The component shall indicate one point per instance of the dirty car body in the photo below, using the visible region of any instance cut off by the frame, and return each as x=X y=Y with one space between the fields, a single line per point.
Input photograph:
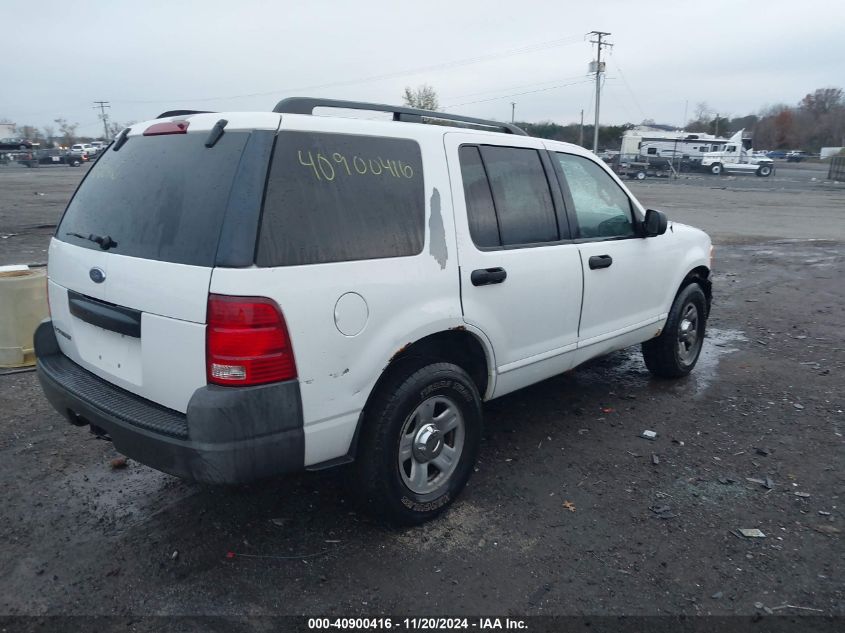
x=239 y=295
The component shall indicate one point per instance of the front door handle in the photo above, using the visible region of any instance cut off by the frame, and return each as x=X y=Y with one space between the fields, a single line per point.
x=600 y=261
x=487 y=276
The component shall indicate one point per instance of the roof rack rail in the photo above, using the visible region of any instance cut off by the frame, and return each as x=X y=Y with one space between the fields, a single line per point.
x=170 y=113
x=306 y=105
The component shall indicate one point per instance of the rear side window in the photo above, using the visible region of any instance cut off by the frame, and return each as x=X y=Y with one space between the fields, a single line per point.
x=341 y=197
x=159 y=197
x=483 y=227
x=521 y=195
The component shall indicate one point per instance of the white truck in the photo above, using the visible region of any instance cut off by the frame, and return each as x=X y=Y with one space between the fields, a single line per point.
x=736 y=158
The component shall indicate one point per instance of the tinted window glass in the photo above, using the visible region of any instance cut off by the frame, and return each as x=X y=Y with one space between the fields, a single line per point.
x=601 y=207
x=159 y=197
x=480 y=210
x=521 y=194
x=339 y=197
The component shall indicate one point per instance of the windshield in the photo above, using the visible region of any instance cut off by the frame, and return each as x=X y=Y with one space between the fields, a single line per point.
x=158 y=197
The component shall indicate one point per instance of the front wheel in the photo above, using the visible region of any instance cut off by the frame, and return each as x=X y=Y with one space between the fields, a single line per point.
x=716 y=169
x=419 y=441
x=764 y=170
x=640 y=175
x=675 y=352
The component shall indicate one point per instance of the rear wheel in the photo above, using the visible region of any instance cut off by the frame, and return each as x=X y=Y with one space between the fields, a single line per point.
x=675 y=352
x=419 y=442
x=75 y=162
x=716 y=168
x=640 y=175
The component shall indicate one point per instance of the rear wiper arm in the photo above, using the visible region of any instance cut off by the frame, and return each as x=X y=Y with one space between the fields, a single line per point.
x=105 y=241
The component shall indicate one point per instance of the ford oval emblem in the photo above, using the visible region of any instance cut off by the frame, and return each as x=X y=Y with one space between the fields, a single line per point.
x=97 y=275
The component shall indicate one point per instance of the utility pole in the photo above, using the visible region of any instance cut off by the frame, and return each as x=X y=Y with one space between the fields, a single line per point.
x=581 y=130
x=102 y=105
x=513 y=110
x=599 y=41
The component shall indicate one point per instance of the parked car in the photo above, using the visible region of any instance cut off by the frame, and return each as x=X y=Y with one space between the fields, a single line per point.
x=81 y=150
x=15 y=143
x=778 y=153
x=796 y=156
x=99 y=146
x=283 y=291
x=52 y=157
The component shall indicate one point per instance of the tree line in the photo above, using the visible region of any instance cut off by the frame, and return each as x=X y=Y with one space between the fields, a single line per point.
x=817 y=121
x=62 y=133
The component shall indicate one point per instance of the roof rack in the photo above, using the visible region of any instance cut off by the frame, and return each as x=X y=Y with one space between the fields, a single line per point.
x=306 y=105
x=170 y=113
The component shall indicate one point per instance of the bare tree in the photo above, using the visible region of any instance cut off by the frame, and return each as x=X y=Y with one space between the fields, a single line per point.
x=116 y=128
x=822 y=101
x=423 y=97
x=703 y=112
x=27 y=131
x=49 y=133
x=67 y=130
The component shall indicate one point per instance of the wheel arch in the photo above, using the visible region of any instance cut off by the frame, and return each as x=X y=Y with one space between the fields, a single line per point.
x=701 y=276
x=461 y=345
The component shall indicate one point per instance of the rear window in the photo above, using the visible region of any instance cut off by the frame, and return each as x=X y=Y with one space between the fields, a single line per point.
x=341 y=197
x=159 y=197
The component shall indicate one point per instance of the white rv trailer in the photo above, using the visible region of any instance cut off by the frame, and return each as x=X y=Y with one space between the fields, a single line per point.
x=652 y=143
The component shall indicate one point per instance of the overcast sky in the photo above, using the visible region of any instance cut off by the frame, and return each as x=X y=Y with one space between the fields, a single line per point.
x=146 y=56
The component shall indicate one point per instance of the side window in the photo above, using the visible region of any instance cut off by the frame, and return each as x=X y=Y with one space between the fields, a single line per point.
x=652 y=150
x=341 y=197
x=521 y=195
x=483 y=227
x=601 y=207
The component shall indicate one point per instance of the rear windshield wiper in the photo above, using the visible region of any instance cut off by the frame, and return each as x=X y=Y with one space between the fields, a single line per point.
x=105 y=241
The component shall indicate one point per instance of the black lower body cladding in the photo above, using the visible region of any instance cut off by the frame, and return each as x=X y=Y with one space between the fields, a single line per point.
x=228 y=435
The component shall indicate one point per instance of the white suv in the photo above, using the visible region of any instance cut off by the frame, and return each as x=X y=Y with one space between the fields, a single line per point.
x=239 y=295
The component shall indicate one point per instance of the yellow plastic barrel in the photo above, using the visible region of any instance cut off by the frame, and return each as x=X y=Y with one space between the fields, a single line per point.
x=23 y=305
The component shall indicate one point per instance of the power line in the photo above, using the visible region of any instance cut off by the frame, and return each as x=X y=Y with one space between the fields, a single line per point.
x=533 y=48
x=517 y=94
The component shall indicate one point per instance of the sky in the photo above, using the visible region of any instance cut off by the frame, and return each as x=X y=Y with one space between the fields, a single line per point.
x=147 y=56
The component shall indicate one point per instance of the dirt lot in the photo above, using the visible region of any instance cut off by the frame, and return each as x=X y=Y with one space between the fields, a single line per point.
x=764 y=405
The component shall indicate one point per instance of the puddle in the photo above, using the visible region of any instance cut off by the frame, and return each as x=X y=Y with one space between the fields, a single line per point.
x=627 y=366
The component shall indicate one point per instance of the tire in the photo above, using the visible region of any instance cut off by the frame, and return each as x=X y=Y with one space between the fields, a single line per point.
x=675 y=352
x=75 y=162
x=403 y=473
x=640 y=175
x=716 y=169
x=764 y=170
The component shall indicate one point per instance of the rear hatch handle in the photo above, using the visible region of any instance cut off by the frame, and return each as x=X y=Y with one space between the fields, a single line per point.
x=105 y=315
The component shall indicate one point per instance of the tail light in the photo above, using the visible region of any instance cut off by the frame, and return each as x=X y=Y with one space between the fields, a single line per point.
x=247 y=342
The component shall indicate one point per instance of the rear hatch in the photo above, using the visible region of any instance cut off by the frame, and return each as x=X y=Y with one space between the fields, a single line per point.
x=132 y=258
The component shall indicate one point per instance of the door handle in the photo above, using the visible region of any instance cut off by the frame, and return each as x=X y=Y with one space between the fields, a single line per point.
x=487 y=276
x=600 y=261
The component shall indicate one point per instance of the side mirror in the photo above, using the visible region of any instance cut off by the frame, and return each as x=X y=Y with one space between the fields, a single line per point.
x=655 y=223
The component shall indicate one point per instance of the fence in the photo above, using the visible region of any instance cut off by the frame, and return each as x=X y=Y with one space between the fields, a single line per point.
x=837 y=169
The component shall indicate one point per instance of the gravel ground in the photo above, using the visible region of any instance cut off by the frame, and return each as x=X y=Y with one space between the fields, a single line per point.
x=570 y=511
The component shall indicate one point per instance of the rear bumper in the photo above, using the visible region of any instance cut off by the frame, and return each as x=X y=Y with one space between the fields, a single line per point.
x=228 y=435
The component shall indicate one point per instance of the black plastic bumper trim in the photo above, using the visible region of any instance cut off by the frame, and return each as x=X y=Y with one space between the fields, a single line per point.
x=229 y=435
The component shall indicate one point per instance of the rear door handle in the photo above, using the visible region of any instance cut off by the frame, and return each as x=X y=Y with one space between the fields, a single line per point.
x=600 y=261
x=487 y=276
